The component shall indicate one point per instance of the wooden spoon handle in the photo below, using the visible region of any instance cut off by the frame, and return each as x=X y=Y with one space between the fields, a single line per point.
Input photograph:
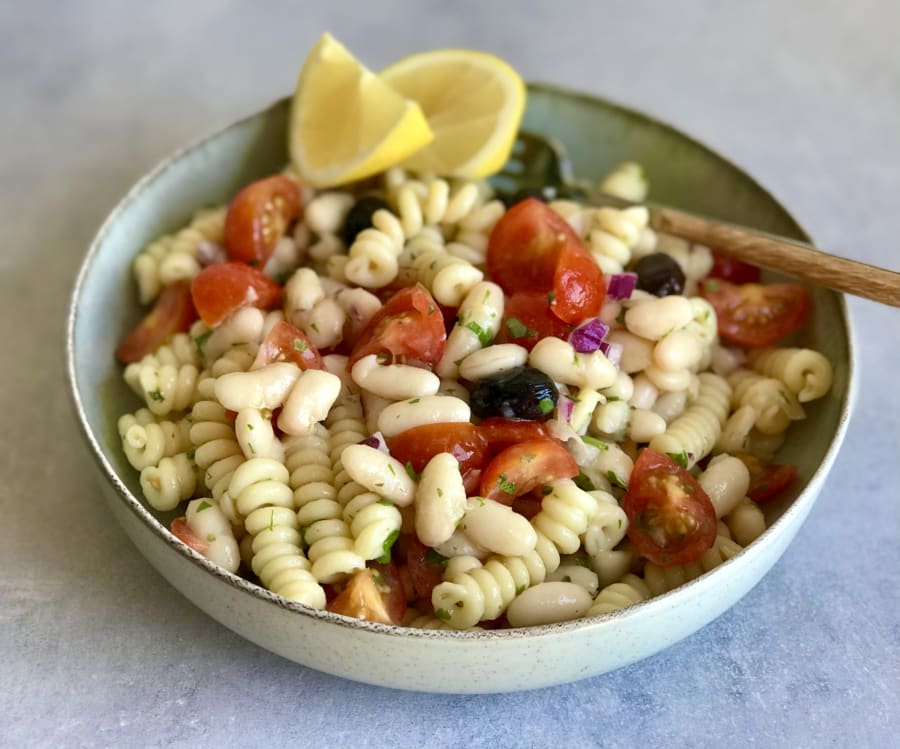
x=777 y=253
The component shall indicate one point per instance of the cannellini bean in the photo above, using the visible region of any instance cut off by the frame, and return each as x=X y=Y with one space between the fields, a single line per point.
x=562 y=363
x=325 y=213
x=206 y=520
x=492 y=360
x=393 y=381
x=262 y=388
x=256 y=436
x=654 y=318
x=547 y=603
x=430 y=409
x=242 y=326
x=498 y=528
x=680 y=349
x=645 y=425
x=309 y=402
x=440 y=500
x=583 y=577
x=379 y=473
x=460 y=545
x=637 y=352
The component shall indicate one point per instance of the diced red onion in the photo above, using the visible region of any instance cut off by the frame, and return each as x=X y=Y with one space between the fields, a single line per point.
x=620 y=285
x=588 y=336
x=564 y=407
x=613 y=352
x=377 y=441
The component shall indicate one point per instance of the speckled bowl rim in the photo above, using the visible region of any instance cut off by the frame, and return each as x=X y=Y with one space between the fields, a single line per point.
x=801 y=504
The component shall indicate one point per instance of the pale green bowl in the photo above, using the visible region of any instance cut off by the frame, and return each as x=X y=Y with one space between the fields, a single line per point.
x=598 y=135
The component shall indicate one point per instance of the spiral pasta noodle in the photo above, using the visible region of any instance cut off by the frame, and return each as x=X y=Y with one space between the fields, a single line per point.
x=807 y=373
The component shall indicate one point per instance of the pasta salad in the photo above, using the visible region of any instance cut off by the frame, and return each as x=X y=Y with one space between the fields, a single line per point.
x=417 y=401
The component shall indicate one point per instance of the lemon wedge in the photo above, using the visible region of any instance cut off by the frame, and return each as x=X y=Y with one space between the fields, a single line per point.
x=474 y=104
x=346 y=122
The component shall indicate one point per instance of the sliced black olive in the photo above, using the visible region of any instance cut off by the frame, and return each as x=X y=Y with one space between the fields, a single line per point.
x=360 y=217
x=518 y=393
x=659 y=274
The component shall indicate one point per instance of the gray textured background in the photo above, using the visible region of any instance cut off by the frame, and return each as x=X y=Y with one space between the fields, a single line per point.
x=97 y=650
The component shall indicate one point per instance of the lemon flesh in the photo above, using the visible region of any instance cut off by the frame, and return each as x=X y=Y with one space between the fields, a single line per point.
x=473 y=102
x=347 y=123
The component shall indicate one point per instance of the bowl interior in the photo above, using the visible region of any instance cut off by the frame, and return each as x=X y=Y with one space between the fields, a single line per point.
x=597 y=134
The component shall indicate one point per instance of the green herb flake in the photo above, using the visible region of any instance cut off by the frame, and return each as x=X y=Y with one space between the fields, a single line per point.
x=711 y=285
x=528 y=457
x=583 y=482
x=442 y=614
x=300 y=345
x=582 y=561
x=594 y=442
x=192 y=453
x=433 y=559
x=314 y=327
x=484 y=336
x=520 y=589
x=680 y=458
x=385 y=502
x=386 y=548
x=200 y=341
x=414 y=401
x=506 y=486
x=391 y=469
x=210 y=537
x=517 y=329
x=551 y=297
x=250 y=427
x=440 y=492
x=204 y=505
x=156 y=395
x=546 y=405
x=410 y=471
x=545 y=490
x=616 y=480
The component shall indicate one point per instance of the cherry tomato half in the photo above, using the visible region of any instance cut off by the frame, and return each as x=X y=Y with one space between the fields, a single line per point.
x=500 y=433
x=220 y=289
x=426 y=567
x=767 y=480
x=756 y=315
x=409 y=327
x=420 y=444
x=173 y=313
x=375 y=595
x=671 y=520
x=519 y=469
x=532 y=248
x=734 y=271
x=258 y=217
x=527 y=319
x=182 y=531
x=287 y=343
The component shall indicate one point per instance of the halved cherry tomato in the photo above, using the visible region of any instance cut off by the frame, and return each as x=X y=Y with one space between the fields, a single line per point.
x=767 y=480
x=220 y=289
x=409 y=327
x=182 y=531
x=527 y=318
x=500 y=433
x=527 y=505
x=258 y=217
x=532 y=248
x=173 y=313
x=671 y=520
x=755 y=315
x=287 y=343
x=520 y=468
x=734 y=271
x=372 y=594
x=426 y=567
x=463 y=440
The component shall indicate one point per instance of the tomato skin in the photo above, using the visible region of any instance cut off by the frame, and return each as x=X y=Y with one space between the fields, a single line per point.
x=500 y=433
x=527 y=313
x=519 y=469
x=409 y=327
x=420 y=444
x=374 y=594
x=767 y=480
x=755 y=315
x=733 y=271
x=671 y=520
x=284 y=342
x=182 y=531
x=532 y=248
x=220 y=289
x=258 y=217
x=425 y=574
x=173 y=313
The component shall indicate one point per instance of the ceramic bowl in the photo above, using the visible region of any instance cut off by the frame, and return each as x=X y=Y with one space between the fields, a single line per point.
x=598 y=135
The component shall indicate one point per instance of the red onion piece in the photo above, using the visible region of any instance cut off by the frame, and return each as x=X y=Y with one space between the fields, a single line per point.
x=377 y=441
x=621 y=285
x=564 y=407
x=613 y=352
x=588 y=336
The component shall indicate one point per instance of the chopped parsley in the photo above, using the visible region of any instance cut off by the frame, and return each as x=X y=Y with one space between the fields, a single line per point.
x=433 y=559
x=506 y=486
x=414 y=401
x=442 y=614
x=210 y=537
x=314 y=327
x=546 y=405
x=200 y=341
x=440 y=492
x=583 y=482
x=551 y=297
x=616 y=480
x=594 y=442
x=484 y=336
x=517 y=329
x=156 y=395
x=391 y=469
x=386 y=548
x=300 y=345
x=681 y=458
x=385 y=502
x=410 y=471
x=204 y=505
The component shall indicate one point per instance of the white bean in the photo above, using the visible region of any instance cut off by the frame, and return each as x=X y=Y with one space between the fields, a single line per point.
x=498 y=528
x=583 y=577
x=262 y=388
x=680 y=349
x=562 y=363
x=547 y=603
x=429 y=409
x=645 y=425
x=440 y=500
x=653 y=318
x=637 y=352
x=393 y=381
x=492 y=360
x=379 y=473
x=310 y=401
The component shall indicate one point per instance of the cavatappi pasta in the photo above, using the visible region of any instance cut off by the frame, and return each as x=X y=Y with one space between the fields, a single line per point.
x=286 y=473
